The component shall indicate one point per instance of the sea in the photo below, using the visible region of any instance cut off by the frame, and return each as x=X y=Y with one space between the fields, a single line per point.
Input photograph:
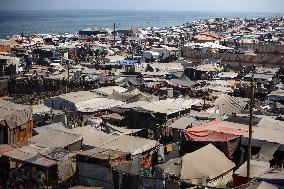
x=56 y=21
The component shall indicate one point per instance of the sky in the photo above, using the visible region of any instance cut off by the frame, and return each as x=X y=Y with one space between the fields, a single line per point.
x=275 y=6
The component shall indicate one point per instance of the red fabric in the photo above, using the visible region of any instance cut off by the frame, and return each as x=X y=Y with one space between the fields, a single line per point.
x=217 y=130
x=222 y=127
x=238 y=181
x=207 y=135
x=170 y=84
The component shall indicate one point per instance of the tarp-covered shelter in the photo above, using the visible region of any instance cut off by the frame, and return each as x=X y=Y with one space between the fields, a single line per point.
x=268 y=130
x=68 y=101
x=207 y=166
x=225 y=135
x=15 y=122
x=94 y=166
x=183 y=82
x=47 y=153
x=132 y=96
x=97 y=104
x=228 y=104
x=107 y=91
x=162 y=109
x=56 y=126
x=123 y=143
x=257 y=168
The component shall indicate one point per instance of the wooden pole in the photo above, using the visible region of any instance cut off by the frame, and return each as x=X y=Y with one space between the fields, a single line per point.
x=46 y=178
x=250 y=125
x=114 y=33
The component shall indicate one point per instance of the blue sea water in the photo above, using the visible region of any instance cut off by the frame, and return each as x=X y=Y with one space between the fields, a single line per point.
x=31 y=22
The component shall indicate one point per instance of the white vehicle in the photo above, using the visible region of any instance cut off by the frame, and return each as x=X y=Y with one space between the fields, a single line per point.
x=57 y=67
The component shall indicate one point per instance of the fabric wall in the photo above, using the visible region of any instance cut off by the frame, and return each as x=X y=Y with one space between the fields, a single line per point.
x=66 y=169
x=95 y=175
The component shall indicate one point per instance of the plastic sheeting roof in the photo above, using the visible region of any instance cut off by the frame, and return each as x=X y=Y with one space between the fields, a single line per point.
x=97 y=104
x=185 y=102
x=216 y=130
x=130 y=144
x=265 y=134
x=93 y=137
x=56 y=126
x=122 y=143
x=182 y=123
x=133 y=96
x=107 y=91
x=162 y=106
x=41 y=109
x=54 y=138
x=270 y=123
x=79 y=96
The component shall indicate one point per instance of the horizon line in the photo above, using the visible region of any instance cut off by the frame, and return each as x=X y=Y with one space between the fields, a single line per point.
x=145 y=10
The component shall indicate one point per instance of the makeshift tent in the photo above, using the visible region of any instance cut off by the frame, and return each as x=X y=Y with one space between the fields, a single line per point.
x=68 y=101
x=226 y=135
x=131 y=145
x=183 y=82
x=229 y=104
x=56 y=138
x=97 y=104
x=107 y=91
x=186 y=102
x=260 y=134
x=183 y=122
x=111 y=129
x=162 y=107
x=257 y=168
x=123 y=143
x=207 y=166
x=56 y=126
x=132 y=96
x=266 y=152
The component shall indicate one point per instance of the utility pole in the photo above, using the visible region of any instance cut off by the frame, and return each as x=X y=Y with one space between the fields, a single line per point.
x=68 y=77
x=114 y=33
x=250 y=124
x=22 y=33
